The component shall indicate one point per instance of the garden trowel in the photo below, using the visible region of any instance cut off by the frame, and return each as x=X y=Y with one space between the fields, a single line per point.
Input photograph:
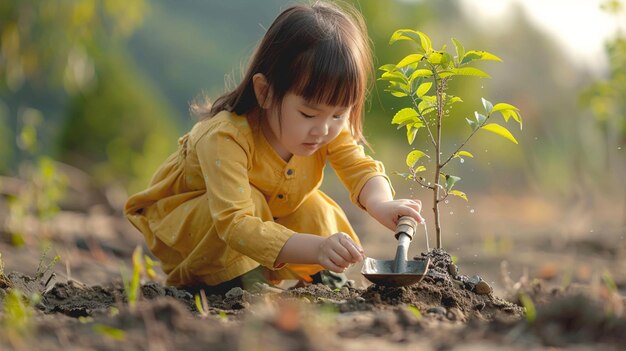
x=399 y=271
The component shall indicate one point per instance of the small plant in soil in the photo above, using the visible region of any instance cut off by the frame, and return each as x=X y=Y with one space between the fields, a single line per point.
x=421 y=79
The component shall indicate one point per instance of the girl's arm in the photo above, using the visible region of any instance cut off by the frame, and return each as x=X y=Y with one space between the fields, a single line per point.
x=335 y=252
x=376 y=197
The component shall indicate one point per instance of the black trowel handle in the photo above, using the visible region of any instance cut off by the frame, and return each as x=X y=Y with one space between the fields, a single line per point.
x=407 y=226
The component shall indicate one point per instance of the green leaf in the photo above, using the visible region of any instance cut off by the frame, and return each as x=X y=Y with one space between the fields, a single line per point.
x=424 y=105
x=423 y=89
x=471 y=71
x=394 y=76
x=453 y=99
x=500 y=130
x=410 y=59
x=511 y=113
x=504 y=106
x=446 y=60
x=405 y=115
x=411 y=131
x=447 y=73
x=420 y=73
x=480 y=118
x=472 y=124
x=397 y=93
x=463 y=153
x=488 y=105
x=388 y=67
x=413 y=157
x=408 y=34
x=508 y=111
x=450 y=181
x=435 y=58
x=459 y=194
x=419 y=169
x=478 y=55
x=460 y=50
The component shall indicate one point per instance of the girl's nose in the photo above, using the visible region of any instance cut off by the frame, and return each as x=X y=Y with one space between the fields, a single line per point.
x=320 y=129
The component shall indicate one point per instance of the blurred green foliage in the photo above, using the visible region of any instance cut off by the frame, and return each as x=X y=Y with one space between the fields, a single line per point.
x=113 y=79
x=606 y=98
x=120 y=130
x=50 y=43
x=66 y=59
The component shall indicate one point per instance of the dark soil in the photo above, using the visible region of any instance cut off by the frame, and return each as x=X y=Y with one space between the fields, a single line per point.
x=446 y=309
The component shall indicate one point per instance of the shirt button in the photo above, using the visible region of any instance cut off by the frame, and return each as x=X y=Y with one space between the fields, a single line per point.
x=289 y=171
x=281 y=196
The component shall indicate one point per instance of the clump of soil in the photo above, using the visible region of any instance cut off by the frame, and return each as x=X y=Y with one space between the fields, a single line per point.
x=445 y=292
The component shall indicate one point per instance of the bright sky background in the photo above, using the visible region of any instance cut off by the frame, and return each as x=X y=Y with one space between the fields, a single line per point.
x=579 y=25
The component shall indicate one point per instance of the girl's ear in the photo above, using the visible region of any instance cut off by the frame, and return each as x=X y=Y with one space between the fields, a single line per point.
x=262 y=90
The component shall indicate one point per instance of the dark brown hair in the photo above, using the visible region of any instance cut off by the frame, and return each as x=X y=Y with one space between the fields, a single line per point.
x=320 y=52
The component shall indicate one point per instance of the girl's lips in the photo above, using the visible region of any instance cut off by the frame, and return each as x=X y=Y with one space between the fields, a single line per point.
x=312 y=145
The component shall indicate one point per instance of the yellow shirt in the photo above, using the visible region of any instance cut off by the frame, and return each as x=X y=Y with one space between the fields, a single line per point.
x=219 y=164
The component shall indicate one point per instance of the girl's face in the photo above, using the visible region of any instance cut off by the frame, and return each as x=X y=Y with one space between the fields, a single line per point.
x=304 y=126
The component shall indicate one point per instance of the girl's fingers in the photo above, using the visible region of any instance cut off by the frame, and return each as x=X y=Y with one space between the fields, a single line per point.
x=338 y=260
x=353 y=252
x=356 y=255
x=341 y=249
x=413 y=211
x=328 y=264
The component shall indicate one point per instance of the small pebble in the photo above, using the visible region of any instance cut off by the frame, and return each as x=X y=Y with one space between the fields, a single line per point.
x=234 y=292
x=482 y=288
x=453 y=270
x=455 y=314
x=437 y=310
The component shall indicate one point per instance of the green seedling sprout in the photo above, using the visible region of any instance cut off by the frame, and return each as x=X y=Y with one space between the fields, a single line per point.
x=609 y=282
x=17 y=322
x=131 y=288
x=415 y=311
x=202 y=304
x=529 y=307
x=613 y=300
x=43 y=267
x=111 y=332
x=422 y=78
x=223 y=316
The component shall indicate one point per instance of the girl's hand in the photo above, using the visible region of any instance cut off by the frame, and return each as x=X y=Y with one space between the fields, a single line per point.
x=338 y=252
x=388 y=212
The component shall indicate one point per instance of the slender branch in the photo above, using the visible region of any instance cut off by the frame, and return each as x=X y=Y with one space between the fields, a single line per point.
x=420 y=181
x=465 y=142
x=439 y=91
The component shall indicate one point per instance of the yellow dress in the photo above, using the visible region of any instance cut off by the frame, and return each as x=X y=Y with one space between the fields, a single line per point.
x=226 y=202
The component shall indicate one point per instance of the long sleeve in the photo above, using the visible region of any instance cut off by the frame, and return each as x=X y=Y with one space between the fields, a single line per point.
x=224 y=155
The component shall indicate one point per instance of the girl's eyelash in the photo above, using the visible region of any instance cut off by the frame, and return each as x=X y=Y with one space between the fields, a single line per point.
x=311 y=116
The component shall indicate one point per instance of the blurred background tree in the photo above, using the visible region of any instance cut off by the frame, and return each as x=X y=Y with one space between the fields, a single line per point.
x=66 y=59
x=606 y=98
x=113 y=80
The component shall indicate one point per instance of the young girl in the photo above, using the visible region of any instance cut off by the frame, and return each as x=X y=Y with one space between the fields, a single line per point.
x=240 y=201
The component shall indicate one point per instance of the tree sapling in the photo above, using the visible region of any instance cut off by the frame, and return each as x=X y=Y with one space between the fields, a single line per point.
x=425 y=71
